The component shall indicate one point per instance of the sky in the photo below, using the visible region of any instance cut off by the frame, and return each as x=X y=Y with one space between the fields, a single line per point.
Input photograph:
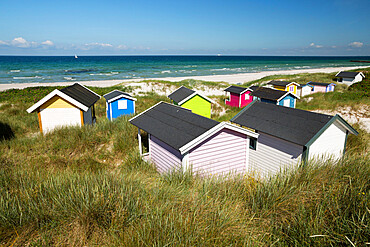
x=191 y=27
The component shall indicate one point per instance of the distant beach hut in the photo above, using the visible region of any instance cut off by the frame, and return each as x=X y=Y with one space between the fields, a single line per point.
x=284 y=86
x=119 y=104
x=73 y=105
x=190 y=99
x=349 y=78
x=321 y=87
x=304 y=89
x=276 y=97
x=238 y=96
x=180 y=139
x=290 y=136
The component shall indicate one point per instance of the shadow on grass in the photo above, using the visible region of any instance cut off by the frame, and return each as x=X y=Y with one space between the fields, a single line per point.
x=6 y=133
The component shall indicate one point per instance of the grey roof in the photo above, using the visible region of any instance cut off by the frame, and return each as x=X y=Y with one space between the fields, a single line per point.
x=268 y=93
x=181 y=94
x=253 y=88
x=235 y=89
x=81 y=94
x=294 y=125
x=279 y=83
x=115 y=94
x=319 y=83
x=347 y=74
x=172 y=124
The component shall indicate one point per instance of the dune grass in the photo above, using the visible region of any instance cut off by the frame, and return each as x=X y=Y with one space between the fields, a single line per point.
x=88 y=186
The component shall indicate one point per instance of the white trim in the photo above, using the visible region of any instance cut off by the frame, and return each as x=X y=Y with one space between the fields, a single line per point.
x=122 y=96
x=296 y=96
x=60 y=94
x=185 y=162
x=145 y=111
x=119 y=96
x=247 y=154
x=110 y=110
x=194 y=94
x=139 y=138
x=246 y=89
x=214 y=130
x=350 y=77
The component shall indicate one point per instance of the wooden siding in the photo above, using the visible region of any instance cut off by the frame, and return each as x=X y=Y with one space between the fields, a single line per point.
x=319 y=89
x=234 y=100
x=330 y=143
x=198 y=105
x=306 y=90
x=164 y=156
x=87 y=116
x=273 y=154
x=243 y=101
x=57 y=117
x=57 y=102
x=222 y=153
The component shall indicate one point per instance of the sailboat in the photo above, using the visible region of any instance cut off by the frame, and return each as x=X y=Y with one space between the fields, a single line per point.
x=76 y=56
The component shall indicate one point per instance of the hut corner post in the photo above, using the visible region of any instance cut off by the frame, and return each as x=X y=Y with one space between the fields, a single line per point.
x=139 y=138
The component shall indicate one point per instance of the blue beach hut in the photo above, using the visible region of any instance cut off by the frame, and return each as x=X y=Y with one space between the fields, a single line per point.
x=119 y=104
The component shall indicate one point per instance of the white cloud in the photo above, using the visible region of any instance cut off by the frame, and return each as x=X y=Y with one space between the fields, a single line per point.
x=3 y=43
x=314 y=45
x=99 y=45
x=48 y=42
x=122 y=47
x=356 y=44
x=20 y=42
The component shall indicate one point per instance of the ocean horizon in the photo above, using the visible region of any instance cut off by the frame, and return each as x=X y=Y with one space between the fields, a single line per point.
x=49 y=69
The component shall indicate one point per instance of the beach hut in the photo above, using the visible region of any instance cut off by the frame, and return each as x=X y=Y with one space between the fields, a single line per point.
x=192 y=100
x=304 y=89
x=349 y=78
x=321 y=87
x=73 y=105
x=119 y=104
x=290 y=136
x=284 y=86
x=238 y=96
x=180 y=139
x=273 y=96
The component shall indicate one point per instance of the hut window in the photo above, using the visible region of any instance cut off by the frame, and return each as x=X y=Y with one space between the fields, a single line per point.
x=246 y=96
x=122 y=104
x=252 y=143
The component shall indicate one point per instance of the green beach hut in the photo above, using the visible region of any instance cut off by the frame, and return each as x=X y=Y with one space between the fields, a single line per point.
x=190 y=99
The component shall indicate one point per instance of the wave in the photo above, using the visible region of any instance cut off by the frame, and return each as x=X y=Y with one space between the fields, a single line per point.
x=108 y=74
x=27 y=77
x=69 y=78
x=15 y=71
x=78 y=71
x=166 y=71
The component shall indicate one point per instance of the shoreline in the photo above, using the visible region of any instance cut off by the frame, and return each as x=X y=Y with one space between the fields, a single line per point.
x=230 y=78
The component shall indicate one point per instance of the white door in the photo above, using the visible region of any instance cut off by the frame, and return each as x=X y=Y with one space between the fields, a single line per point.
x=57 y=117
x=287 y=102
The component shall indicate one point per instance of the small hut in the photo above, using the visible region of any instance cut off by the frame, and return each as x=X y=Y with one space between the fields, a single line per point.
x=119 y=104
x=73 y=105
x=192 y=100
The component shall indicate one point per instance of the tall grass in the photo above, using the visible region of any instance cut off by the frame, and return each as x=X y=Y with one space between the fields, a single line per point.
x=83 y=186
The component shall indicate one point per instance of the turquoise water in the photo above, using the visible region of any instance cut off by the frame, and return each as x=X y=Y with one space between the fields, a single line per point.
x=34 y=69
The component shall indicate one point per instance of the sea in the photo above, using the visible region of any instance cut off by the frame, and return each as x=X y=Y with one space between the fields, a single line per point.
x=40 y=69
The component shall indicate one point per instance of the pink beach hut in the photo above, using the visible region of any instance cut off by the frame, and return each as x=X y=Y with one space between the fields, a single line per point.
x=320 y=87
x=239 y=96
x=180 y=139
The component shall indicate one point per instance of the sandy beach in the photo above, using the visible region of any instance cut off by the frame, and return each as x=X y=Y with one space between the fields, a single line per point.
x=232 y=78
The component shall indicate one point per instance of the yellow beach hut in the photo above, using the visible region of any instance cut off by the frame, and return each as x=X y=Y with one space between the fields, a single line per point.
x=73 y=105
x=192 y=100
x=285 y=86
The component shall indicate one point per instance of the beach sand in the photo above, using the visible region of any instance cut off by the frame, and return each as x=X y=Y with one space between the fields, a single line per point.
x=232 y=78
